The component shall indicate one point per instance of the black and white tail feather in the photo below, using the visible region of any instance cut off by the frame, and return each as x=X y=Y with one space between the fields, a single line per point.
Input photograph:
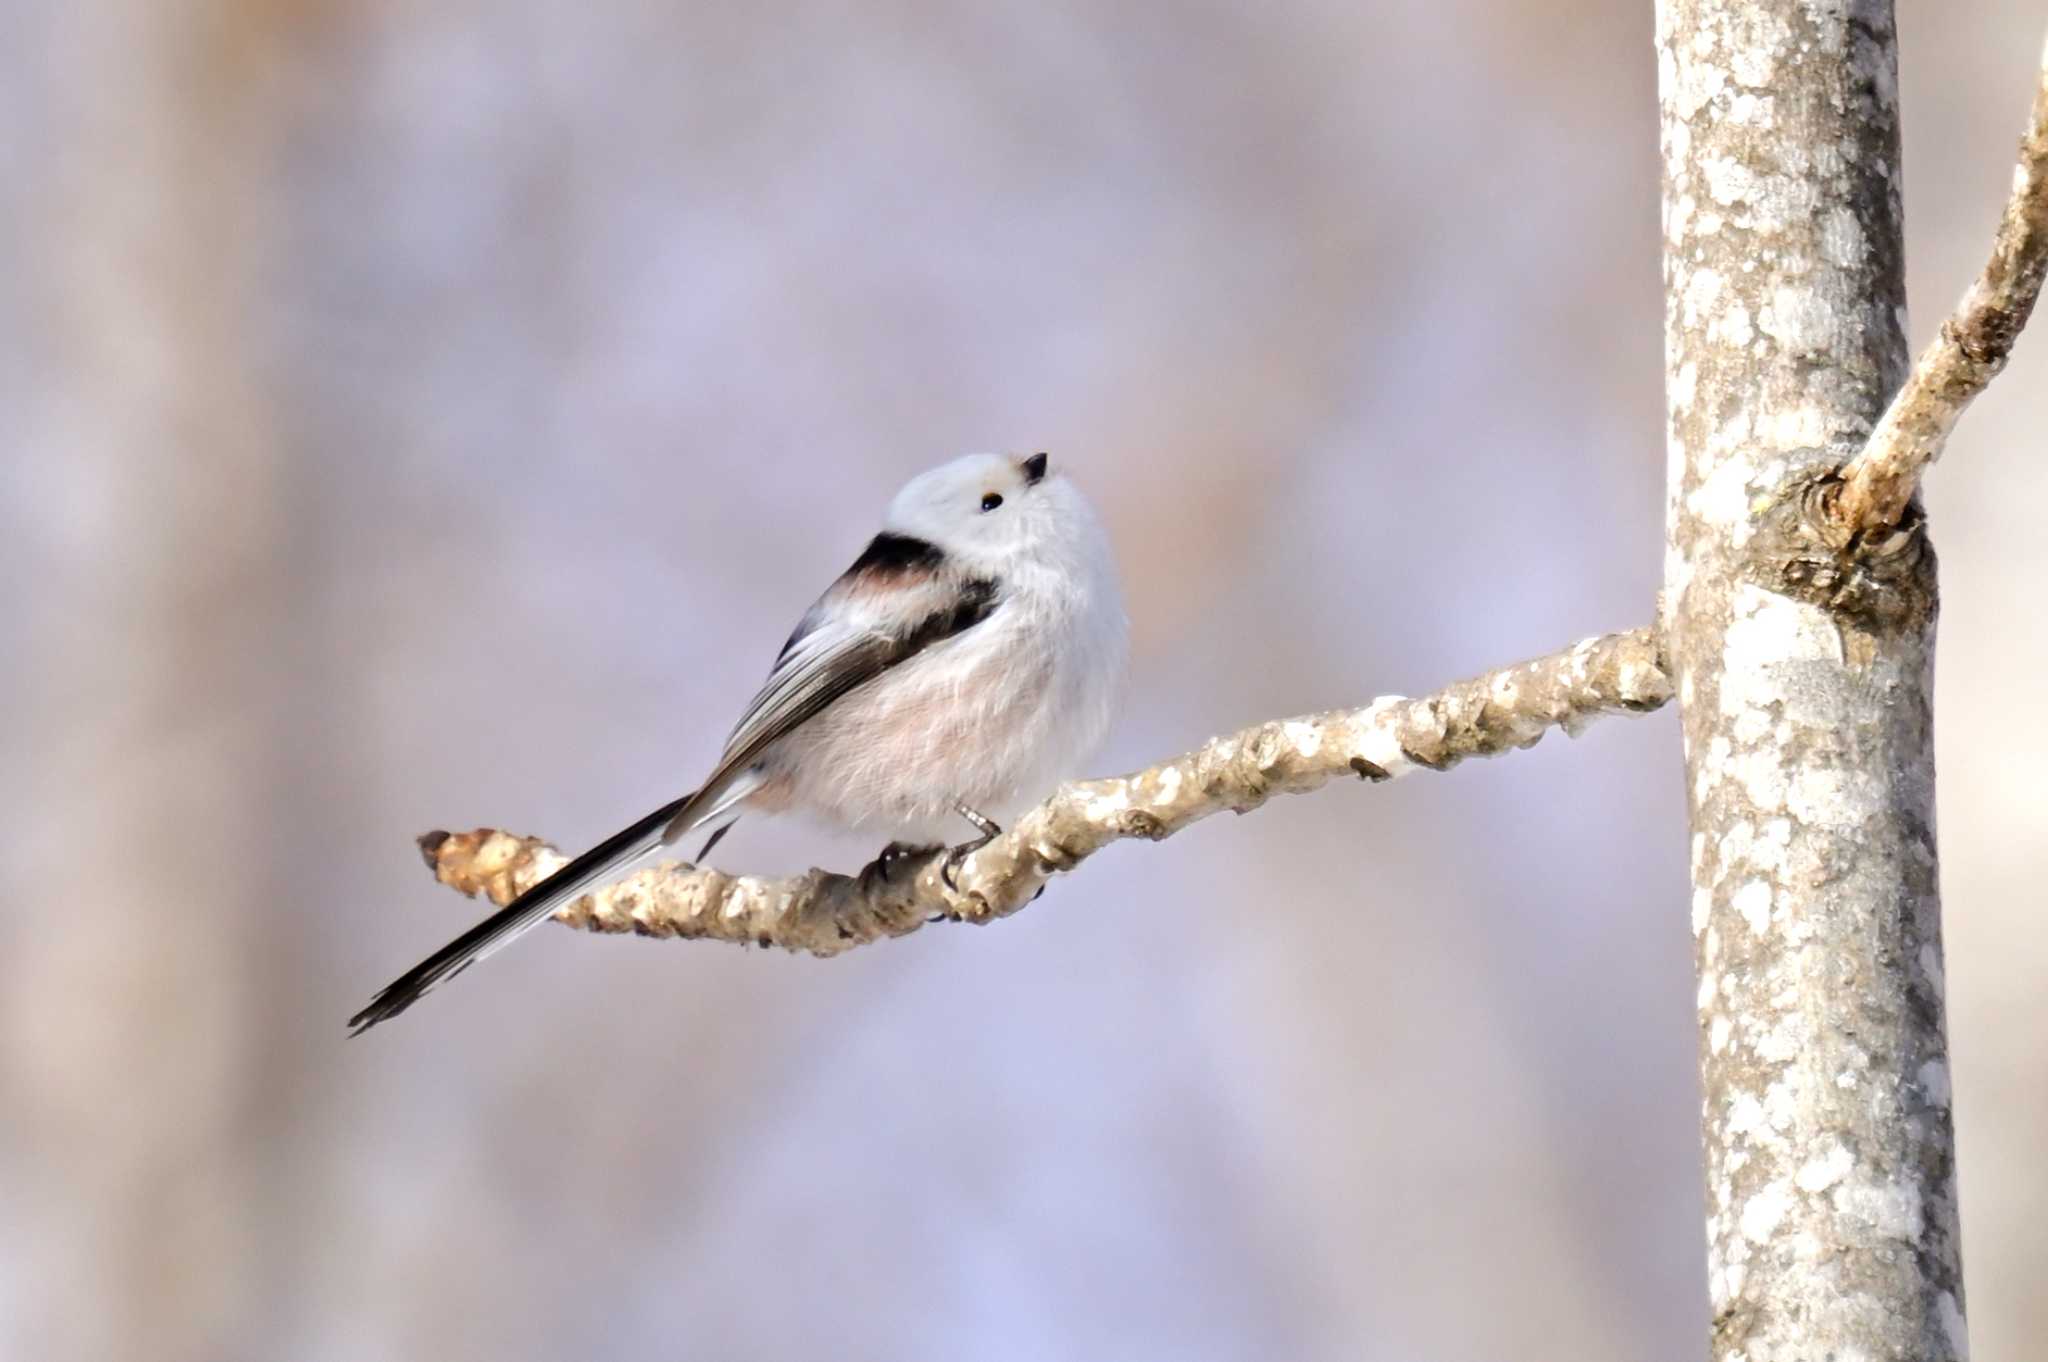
x=595 y=866
x=966 y=658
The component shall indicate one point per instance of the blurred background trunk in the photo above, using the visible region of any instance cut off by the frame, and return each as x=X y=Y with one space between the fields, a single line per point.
x=141 y=529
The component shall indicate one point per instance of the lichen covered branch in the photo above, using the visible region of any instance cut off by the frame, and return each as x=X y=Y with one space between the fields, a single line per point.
x=823 y=913
x=1973 y=346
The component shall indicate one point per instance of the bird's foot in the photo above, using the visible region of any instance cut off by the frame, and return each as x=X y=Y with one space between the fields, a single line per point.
x=884 y=866
x=949 y=869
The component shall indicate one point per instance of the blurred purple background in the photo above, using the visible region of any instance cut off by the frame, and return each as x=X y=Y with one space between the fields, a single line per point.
x=435 y=415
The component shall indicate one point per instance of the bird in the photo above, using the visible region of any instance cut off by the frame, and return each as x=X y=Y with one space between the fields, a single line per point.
x=970 y=659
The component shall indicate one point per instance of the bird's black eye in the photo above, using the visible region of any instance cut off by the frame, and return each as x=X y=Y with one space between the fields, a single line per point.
x=991 y=501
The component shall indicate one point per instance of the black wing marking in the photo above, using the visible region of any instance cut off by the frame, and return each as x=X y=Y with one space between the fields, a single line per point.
x=822 y=661
x=819 y=665
x=887 y=561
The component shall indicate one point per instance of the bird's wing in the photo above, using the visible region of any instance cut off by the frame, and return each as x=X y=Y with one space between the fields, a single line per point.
x=891 y=605
x=897 y=600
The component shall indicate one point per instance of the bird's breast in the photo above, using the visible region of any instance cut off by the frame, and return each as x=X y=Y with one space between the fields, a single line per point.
x=991 y=717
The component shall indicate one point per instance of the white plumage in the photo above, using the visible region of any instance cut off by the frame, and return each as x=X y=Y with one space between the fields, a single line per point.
x=968 y=661
x=994 y=716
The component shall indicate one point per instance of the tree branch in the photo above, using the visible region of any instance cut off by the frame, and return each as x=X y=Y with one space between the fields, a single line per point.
x=824 y=913
x=1972 y=348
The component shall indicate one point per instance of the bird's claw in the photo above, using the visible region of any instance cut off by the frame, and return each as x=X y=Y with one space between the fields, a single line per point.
x=949 y=869
x=883 y=867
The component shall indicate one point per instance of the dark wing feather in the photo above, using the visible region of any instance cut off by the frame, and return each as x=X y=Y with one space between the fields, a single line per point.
x=846 y=640
x=831 y=654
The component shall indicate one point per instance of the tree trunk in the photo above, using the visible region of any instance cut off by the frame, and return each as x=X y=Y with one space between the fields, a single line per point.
x=144 y=545
x=1804 y=670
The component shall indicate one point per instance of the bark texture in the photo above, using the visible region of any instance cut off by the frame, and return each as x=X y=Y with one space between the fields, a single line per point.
x=1803 y=667
x=824 y=913
x=1971 y=350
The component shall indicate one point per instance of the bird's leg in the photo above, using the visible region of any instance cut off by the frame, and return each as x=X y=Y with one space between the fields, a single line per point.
x=715 y=838
x=984 y=825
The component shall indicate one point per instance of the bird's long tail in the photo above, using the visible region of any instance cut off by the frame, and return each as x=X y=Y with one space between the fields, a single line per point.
x=602 y=862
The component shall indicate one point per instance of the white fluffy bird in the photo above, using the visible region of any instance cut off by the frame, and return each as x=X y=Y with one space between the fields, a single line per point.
x=967 y=661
